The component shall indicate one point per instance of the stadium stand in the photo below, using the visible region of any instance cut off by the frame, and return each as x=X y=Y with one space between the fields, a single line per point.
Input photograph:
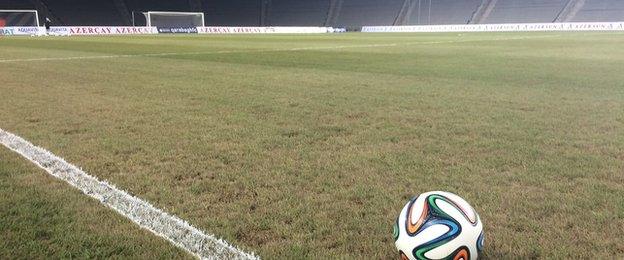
x=16 y=4
x=360 y=12
x=348 y=13
x=80 y=12
x=138 y=6
x=443 y=12
x=600 y=11
x=298 y=13
x=525 y=11
x=232 y=12
x=150 y=5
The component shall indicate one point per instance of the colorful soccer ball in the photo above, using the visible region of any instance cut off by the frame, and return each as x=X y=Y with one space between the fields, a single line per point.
x=438 y=225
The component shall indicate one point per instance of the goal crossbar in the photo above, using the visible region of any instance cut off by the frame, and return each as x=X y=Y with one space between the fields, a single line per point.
x=148 y=15
x=24 y=11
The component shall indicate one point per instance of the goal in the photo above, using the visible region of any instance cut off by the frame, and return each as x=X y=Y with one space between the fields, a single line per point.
x=174 y=19
x=11 y=18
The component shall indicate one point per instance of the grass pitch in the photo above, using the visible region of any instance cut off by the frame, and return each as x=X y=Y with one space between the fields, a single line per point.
x=308 y=146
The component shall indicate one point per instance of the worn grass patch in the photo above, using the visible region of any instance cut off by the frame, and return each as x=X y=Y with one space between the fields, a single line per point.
x=312 y=153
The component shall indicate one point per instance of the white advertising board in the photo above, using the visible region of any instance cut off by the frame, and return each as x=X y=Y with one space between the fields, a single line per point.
x=78 y=30
x=520 y=27
x=105 y=30
x=255 y=30
x=30 y=30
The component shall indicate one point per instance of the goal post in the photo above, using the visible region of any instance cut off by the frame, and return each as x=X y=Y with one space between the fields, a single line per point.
x=19 y=18
x=174 y=19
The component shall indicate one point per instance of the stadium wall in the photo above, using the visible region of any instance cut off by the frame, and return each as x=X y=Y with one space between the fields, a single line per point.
x=102 y=30
x=129 y=30
x=520 y=27
x=255 y=30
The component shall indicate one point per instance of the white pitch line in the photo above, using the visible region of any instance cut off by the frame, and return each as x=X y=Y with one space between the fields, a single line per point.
x=164 y=54
x=169 y=227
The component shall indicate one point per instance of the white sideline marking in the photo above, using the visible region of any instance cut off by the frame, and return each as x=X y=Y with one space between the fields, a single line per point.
x=163 y=54
x=169 y=227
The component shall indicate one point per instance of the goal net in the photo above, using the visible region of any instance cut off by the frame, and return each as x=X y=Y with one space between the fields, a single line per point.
x=19 y=18
x=174 y=19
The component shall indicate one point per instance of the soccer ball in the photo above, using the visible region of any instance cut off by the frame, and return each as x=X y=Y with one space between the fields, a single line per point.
x=438 y=225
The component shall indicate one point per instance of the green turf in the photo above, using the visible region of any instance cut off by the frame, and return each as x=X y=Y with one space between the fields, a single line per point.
x=41 y=218
x=312 y=153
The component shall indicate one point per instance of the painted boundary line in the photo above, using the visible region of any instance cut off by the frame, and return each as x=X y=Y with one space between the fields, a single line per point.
x=164 y=54
x=171 y=228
